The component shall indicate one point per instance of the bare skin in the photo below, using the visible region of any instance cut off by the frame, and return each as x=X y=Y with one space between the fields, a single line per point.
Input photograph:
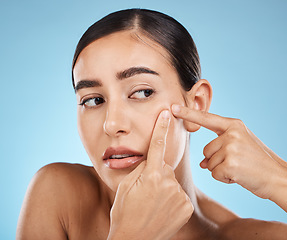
x=69 y=201
x=74 y=202
x=134 y=99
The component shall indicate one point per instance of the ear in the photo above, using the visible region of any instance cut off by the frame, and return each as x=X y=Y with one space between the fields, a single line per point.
x=198 y=98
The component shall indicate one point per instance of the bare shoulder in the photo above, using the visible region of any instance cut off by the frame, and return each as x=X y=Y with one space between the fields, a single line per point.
x=68 y=174
x=214 y=211
x=53 y=197
x=253 y=229
x=60 y=180
x=230 y=226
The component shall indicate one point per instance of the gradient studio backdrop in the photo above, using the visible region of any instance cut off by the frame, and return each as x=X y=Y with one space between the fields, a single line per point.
x=242 y=45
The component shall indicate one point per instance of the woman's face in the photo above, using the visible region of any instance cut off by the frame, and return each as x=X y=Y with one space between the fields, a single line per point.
x=123 y=81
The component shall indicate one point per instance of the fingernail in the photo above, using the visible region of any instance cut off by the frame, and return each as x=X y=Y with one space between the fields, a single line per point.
x=165 y=114
x=175 y=108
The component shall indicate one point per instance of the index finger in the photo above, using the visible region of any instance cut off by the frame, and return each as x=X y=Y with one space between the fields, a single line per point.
x=208 y=120
x=155 y=156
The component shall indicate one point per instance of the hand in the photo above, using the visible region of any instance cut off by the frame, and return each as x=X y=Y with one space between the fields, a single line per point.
x=237 y=155
x=150 y=203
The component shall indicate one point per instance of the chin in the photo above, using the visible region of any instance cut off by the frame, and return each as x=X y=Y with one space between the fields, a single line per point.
x=113 y=177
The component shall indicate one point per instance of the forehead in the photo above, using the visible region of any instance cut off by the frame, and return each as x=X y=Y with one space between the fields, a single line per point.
x=119 y=51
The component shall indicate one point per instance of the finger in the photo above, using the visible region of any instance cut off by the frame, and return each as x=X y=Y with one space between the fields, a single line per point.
x=203 y=163
x=221 y=174
x=213 y=147
x=155 y=156
x=210 y=121
x=215 y=160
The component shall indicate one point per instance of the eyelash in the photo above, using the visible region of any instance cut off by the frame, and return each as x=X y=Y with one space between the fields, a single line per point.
x=84 y=102
x=150 y=92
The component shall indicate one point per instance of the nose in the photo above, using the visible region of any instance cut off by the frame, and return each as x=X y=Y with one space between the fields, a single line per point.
x=116 y=122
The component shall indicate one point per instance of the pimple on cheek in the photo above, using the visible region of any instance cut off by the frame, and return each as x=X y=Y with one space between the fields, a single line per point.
x=150 y=123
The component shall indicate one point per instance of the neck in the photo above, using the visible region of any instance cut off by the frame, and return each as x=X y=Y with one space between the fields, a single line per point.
x=184 y=177
x=196 y=227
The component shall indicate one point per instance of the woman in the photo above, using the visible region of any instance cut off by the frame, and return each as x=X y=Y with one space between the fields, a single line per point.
x=136 y=75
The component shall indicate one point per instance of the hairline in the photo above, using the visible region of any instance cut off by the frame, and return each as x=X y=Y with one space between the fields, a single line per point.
x=136 y=31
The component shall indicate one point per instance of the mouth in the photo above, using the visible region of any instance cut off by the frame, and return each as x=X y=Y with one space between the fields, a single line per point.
x=121 y=157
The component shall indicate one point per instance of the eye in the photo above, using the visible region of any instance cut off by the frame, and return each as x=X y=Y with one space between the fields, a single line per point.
x=144 y=93
x=92 y=102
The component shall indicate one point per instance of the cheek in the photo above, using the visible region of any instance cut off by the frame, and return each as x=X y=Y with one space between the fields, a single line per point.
x=89 y=131
x=176 y=137
x=176 y=142
x=177 y=134
x=143 y=126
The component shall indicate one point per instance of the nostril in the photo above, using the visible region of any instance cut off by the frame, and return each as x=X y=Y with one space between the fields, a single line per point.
x=115 y=128
x=116 y=122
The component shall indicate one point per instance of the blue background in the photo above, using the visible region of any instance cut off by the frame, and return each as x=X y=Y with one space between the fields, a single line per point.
x=242 y=45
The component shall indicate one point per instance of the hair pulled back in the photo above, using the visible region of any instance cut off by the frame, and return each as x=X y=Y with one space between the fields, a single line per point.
x=159 y=27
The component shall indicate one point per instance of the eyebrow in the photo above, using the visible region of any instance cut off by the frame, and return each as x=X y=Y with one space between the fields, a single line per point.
x=134 y=71
x=120 y=76
x=87 y=84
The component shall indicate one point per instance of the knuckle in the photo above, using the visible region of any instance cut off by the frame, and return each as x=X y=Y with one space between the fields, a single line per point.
x=231 y=164
x=158 y=142
x=154 y=177
x=238 y=123
x=231 y=148
x=169 y=172
x=234 y=133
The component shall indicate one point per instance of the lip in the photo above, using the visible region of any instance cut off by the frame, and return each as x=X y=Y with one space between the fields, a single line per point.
x=120 y=163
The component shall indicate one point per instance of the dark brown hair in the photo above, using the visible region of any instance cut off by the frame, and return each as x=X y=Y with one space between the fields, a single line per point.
x=159 y=27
